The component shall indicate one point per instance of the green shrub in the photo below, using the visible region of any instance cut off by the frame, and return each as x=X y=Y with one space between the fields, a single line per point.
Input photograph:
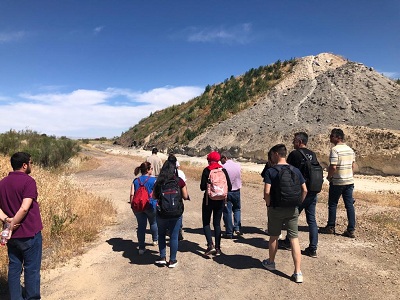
x=46 y=151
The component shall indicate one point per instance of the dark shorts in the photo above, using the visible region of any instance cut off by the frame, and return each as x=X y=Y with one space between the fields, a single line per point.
x=283 y=215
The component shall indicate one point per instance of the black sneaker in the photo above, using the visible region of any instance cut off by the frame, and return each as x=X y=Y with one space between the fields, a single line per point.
x=309 y=252
x=327 y=230
x=349 y=233
x=218 y=252
x=161 y=262
x=172 y=263
x=210 y=250
x=227 y=236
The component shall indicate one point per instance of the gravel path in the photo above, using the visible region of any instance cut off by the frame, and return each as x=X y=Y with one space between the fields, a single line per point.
x=360 y=268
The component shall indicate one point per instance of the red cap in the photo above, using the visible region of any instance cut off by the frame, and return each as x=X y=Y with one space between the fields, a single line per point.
x=213 y=156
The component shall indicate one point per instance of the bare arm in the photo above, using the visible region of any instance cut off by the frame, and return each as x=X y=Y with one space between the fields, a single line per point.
x=185 y=194
x=267 y=194
x=21 y=213
x=132 y=192
x=331 y=171
x=303 y=192
x=3 y=216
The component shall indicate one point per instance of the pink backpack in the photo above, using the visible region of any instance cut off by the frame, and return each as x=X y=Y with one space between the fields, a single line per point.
x=217 y=187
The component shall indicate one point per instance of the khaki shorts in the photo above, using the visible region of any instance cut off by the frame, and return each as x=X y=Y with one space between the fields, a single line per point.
x=283 y=217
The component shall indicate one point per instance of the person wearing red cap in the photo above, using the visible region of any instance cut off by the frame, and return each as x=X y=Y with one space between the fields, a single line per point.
x=212 y=207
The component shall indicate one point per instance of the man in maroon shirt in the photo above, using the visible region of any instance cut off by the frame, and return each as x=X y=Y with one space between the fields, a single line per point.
x=19 y=208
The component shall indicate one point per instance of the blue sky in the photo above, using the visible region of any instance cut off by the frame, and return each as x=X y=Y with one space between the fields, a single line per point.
x=95 y=68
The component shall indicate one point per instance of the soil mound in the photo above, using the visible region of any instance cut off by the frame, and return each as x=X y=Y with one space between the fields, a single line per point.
x=323 y=92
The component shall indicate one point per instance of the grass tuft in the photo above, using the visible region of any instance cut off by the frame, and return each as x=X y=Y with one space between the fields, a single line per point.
x=71 y=216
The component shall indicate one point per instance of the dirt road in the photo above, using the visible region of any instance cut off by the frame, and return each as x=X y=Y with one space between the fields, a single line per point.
x=112 y=269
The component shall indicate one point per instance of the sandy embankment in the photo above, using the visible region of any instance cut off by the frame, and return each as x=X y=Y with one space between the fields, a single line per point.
x=362 y=182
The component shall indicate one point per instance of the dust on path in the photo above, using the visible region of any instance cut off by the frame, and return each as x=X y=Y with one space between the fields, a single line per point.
x=112 y=269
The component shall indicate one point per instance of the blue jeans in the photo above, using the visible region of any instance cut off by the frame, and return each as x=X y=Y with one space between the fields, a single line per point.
x=214 y=208
x=173 y=225
x=232 y=205
x=346 y=191
x=142 y=217
x=309 y=204
x=26 y=252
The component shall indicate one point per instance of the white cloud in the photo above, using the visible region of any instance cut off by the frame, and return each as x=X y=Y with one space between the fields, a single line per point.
x=98 y=29
x=88 y=113
x=237 y=34
x=6 y=37
x=168 y=96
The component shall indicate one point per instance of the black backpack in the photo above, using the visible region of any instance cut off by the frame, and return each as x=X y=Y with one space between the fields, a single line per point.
x=286 y=189
x=170 y=204
x=313 y=173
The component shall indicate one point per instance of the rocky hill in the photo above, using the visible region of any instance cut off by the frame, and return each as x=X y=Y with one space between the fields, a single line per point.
x=317 y=94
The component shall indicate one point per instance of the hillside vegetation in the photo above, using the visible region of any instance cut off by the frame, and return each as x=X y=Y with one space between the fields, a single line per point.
x=177 y=125
x=249 y=114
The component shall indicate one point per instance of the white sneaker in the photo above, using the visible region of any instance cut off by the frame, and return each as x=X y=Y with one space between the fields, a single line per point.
x=297 y=277
x=162 y=261
x=155 y=243
x=172 y=263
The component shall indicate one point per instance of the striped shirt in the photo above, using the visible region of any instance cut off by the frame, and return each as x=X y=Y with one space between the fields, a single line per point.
x=342 y=156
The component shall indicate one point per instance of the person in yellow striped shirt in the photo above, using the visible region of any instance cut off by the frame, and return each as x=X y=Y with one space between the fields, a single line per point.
x=341 y=183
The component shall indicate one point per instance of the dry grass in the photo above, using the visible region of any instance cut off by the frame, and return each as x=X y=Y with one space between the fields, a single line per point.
x=389 y=199
x=71 y=217
x=192 y=172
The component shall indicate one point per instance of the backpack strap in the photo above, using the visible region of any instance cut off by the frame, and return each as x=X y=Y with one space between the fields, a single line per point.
x=302 y=153
x=208 y=184
x=142 y=184
x=276 y=189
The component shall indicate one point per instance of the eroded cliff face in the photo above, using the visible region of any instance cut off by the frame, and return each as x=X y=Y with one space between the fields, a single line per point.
x=323 y=92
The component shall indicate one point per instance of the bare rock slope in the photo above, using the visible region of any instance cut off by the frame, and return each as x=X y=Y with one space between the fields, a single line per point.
x=323 y=92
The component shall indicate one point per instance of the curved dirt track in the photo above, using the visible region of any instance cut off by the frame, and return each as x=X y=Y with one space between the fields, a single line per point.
x=112 y=269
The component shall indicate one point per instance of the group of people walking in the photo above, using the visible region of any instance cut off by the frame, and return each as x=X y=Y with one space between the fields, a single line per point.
x=281 y=215
x=166 y=187
x=162 y=226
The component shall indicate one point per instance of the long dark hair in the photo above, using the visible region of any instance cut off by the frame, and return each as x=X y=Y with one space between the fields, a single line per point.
x=168 y=172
